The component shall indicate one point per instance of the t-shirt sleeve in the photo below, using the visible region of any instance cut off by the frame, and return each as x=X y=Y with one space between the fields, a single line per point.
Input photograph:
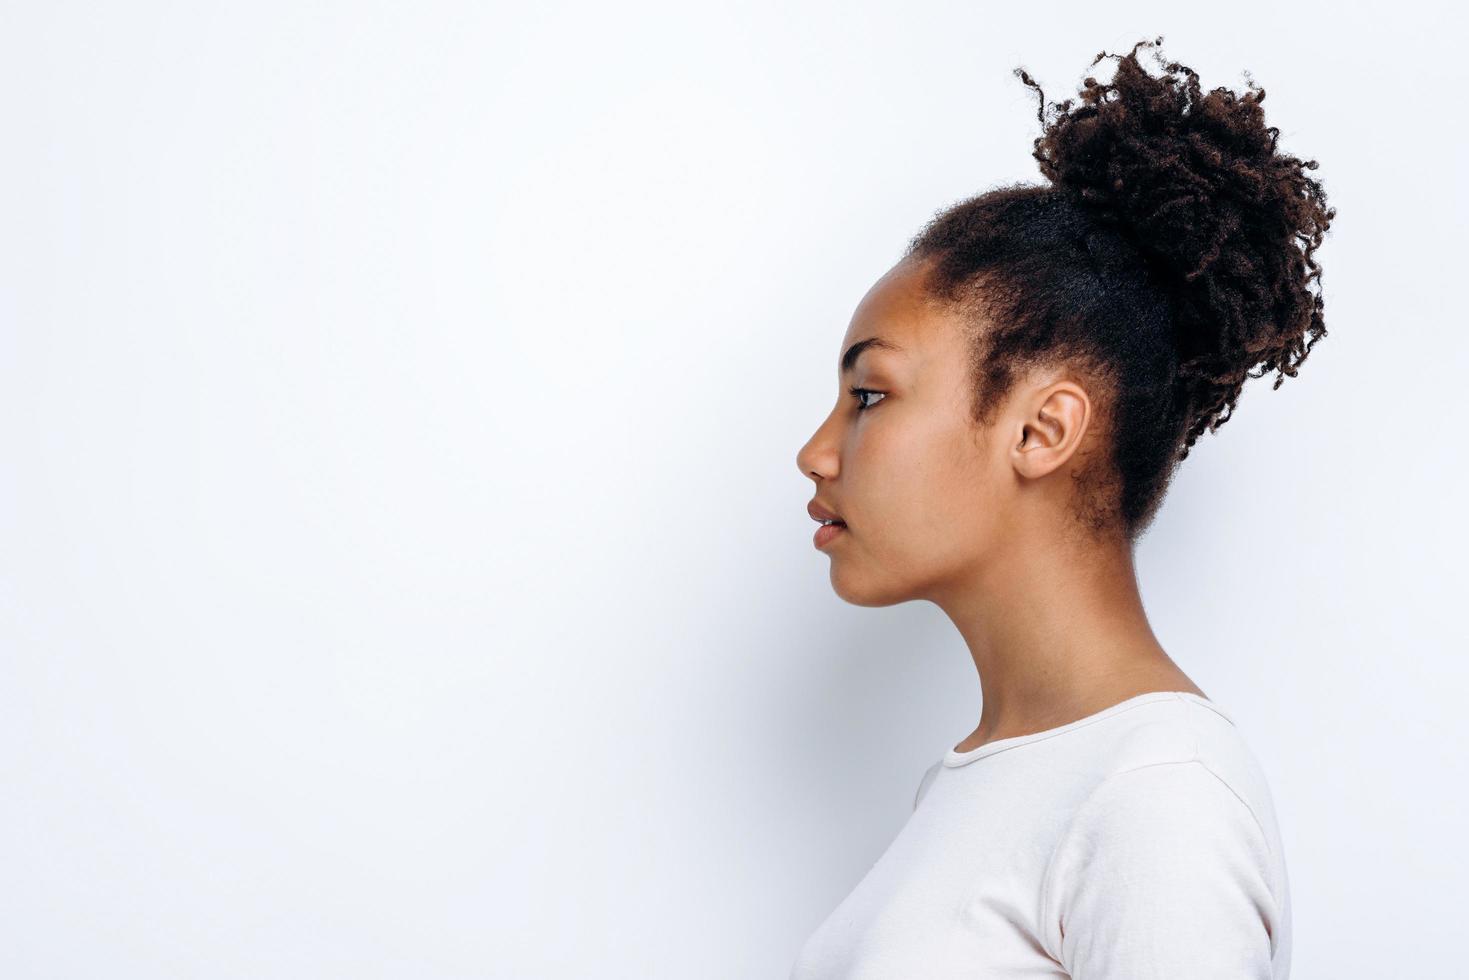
x=1164 y=873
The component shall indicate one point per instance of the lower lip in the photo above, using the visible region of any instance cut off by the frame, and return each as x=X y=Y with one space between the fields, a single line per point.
x=828 y=533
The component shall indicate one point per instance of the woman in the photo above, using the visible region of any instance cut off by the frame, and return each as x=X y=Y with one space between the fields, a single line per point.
x=1016 y=393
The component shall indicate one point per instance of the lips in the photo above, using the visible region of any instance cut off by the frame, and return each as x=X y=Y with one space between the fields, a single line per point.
x=827 y=533
x=820 y=513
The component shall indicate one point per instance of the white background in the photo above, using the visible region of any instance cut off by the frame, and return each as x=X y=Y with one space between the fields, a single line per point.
x=405 y=565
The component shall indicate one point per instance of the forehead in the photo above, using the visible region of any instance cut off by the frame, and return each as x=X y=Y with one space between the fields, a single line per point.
x=897 y=309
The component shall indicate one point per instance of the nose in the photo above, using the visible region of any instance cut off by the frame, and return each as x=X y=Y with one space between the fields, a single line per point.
x=818 y=458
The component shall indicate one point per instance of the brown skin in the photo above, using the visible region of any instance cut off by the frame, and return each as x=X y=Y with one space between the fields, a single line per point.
x=981 y=520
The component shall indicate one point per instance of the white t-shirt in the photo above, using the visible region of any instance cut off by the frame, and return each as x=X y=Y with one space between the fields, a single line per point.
x=1137 y=843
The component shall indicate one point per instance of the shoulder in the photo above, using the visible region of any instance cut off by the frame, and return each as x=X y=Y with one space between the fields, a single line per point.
x=1176 y=828
x=1186 y=756
x=1148 y=805
x=1170 y=747
x=1169 y=856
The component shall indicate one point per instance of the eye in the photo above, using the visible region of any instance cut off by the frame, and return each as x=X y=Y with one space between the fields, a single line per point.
x=859 y=392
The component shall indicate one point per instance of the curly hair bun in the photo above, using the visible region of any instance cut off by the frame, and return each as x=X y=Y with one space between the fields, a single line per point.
x=1225 y=223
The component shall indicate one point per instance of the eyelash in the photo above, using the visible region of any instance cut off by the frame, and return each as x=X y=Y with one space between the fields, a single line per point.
x=857 y=393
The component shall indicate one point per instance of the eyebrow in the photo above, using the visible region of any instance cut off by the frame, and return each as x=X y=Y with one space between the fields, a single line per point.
x=849 y=359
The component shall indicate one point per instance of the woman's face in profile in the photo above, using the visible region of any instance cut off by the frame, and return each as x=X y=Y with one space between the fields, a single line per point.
x=902 y=462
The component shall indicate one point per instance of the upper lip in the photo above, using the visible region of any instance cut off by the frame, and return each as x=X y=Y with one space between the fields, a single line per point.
x=820 y=513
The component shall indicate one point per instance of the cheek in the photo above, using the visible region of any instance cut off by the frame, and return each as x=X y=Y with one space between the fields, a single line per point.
x=924 y=485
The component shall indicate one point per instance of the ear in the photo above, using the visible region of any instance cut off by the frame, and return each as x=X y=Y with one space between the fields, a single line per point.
x=1052 y=422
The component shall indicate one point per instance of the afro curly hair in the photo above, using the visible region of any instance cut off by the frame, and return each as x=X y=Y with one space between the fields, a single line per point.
x=1168 y=259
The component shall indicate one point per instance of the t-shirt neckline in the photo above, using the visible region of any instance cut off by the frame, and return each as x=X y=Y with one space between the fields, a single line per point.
x=953 y=758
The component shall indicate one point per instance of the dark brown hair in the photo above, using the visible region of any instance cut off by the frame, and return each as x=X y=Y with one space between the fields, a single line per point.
x=1169 y=257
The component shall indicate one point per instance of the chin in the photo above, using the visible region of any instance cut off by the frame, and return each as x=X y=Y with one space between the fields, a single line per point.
x=860 y=591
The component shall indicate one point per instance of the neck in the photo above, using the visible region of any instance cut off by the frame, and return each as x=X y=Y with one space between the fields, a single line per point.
x=1057 y=632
